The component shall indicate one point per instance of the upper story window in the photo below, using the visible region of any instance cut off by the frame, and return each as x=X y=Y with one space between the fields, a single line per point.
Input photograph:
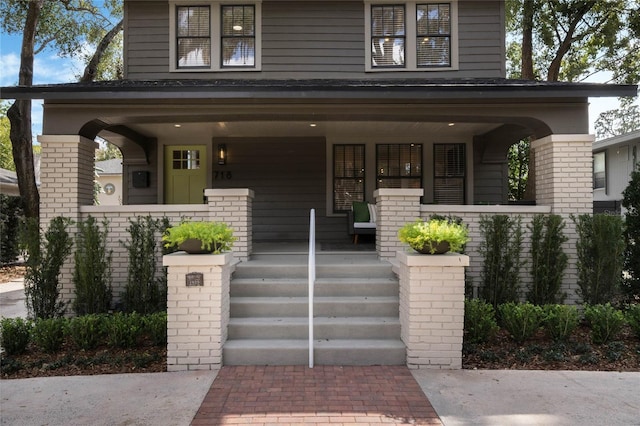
x=411 y=36
x=211 y=36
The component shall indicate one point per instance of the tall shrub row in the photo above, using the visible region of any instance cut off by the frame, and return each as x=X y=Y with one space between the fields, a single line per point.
x=47 y=252
x=146 y=290
x=600 y=249
x=631 y=202
x=10 y=217
x=500 y=247
x=548 y=260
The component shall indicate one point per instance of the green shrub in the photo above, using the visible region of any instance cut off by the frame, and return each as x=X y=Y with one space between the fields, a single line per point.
x=43 y=263
x=10 y=216
x=631 y=201
x=156 y=326
x=49 y=333
x=146 y=289
x=87 y=331
x=600 y=249
x=605 y=321
x=548 y=260
x=123 y=329
x=500 y=247
x=521 y=320
x=560 y=321
x=92 y=272
x=633 y=319
x=479 y=321
x=15 y=334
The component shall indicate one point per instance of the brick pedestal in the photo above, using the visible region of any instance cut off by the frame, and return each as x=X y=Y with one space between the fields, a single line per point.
x=432 y=309
x=395 y=208
x=197 y=315
x=234 y=207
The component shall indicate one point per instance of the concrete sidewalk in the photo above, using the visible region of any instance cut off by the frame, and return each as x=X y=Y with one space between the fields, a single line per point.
x=462 y=397
x=516 y=397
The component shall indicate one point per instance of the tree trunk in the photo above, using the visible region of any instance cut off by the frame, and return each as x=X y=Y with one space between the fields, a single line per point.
x=528 y=12
x=19 y=115
x=91 y=69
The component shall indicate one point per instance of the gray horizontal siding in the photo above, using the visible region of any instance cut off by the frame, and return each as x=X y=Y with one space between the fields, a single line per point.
x=313 y=40
x=288 y=178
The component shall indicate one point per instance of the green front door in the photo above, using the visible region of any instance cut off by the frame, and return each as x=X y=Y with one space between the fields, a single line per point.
x=185 y=175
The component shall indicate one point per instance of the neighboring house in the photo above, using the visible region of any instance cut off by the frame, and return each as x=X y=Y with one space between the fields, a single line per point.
x=9 y=179
x=277 y=107
x=9 y=183
x=109 y=176
x=613 y=161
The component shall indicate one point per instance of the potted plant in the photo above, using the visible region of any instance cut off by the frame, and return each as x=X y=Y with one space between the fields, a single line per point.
x=436 y=236
x=200 y=237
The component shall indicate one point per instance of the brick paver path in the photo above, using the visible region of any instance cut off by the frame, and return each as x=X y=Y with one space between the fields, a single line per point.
x=324 y=395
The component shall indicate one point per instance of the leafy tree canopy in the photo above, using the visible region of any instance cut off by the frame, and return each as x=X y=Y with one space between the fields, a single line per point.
x=569 y=40
x=66 y=26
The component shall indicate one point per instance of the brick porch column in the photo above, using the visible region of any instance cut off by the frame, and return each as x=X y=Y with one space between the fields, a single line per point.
x=197 y=315
x=67 y=172
x=432 y=308
x=235 y=208
x=395 y=207
x=563 y=181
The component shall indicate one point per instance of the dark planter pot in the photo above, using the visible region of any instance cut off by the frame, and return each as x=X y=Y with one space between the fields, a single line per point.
x=193 y=246
x=440 y=248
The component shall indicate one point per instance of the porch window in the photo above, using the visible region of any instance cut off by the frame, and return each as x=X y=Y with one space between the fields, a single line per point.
x=212 y=36
x=433 y=42
x=194 y=36
x=387 y=36
x=348 y=176
x=399 y=165
x=599 y=170
x=449 y=173
x=411 y=35
x=238 y=36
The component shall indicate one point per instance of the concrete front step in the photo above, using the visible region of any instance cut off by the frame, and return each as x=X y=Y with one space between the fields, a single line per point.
x=324 y=328
x=288 y=270
x=354 y=306
x=260 y=287
x=326 y=352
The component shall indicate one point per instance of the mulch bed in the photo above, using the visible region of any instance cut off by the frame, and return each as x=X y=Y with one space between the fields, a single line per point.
x=541 y=353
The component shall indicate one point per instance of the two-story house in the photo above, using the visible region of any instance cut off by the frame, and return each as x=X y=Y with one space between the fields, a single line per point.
x=275 y=107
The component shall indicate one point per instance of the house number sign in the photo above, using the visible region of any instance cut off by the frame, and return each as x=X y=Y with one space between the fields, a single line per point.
x=195 y=279
x=222 y=175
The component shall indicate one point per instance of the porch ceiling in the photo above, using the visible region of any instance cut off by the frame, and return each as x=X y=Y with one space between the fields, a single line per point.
x=330 y=129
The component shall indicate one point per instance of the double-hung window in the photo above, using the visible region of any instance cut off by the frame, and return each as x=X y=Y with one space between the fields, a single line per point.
x=214 y=36
x=411 y=36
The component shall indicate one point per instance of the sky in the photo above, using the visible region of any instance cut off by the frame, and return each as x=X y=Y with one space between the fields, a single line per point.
x=49 y=68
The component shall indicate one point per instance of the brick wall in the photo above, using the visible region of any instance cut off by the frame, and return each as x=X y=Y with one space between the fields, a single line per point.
x=394 y=207
x=432 y=309
x=197 y=316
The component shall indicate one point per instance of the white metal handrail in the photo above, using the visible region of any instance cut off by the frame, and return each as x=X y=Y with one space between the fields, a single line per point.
x=312 y=278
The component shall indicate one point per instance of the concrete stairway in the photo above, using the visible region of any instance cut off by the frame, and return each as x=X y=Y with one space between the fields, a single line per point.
x=355 y=310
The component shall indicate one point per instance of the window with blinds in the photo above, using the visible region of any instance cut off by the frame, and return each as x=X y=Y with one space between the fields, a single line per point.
x=449 y=173
x=348 y=176
x=433 y=31
x=193 y=36
x=399 y=165
x=387 y=36
x=238 y=36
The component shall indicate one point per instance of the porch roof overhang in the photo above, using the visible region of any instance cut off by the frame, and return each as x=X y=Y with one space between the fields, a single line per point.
x=319 y=89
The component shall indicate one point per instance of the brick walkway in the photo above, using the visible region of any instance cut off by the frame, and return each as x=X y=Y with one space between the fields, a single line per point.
x=324 y=395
